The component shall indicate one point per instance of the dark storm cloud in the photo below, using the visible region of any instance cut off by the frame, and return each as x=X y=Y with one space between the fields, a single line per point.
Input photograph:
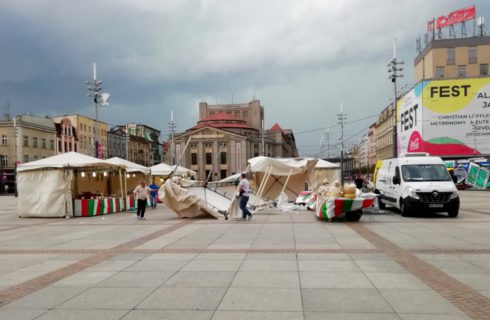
x=301 y=58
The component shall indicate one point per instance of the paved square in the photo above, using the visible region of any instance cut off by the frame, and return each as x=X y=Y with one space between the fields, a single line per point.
x=278 y=266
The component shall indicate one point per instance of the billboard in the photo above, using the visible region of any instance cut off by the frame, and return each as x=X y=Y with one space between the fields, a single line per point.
x=445 y=118
x=452 y=18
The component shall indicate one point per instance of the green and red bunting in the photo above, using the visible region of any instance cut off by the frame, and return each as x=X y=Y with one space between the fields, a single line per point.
x=329 y=208
x=96 y=207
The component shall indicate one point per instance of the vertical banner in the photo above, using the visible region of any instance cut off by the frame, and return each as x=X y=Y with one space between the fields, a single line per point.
x=238 y=156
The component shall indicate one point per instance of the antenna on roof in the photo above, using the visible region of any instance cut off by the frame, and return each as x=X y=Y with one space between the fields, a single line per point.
x=254 y=94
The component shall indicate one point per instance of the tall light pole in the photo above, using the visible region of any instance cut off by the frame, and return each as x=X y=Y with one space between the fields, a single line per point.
x=341 y=117
x=172 y=126
x=395 y=72
x=95 y=88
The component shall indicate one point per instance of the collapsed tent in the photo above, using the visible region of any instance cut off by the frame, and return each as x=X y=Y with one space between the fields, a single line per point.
x=187 y=204
x=49 y=187
x=275 y=175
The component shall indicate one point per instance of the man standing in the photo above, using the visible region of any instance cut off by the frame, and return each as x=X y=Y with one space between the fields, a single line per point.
x=243 y=190
x=153 y=193
x=141 y=194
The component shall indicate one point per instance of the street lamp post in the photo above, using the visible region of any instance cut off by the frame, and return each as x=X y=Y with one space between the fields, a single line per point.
x=341 y=117
x=95 y=88
x=395 y=72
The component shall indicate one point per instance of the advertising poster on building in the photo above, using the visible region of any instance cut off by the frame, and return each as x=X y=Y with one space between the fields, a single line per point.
x=446 y=118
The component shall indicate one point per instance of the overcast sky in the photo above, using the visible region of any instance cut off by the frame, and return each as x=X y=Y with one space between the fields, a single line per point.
x=300 y=58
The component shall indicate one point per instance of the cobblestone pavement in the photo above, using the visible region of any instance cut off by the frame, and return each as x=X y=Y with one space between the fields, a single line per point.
x=277 y=266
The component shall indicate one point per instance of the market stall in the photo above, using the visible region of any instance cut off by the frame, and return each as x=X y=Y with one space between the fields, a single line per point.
x=135 y=173
x=67 y=185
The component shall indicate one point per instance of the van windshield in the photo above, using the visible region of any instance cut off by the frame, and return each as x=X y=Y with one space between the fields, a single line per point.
x=425 y=172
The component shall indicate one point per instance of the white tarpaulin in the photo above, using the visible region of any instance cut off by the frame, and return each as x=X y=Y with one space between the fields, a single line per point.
x=164 y=169
x=184 y=203
x=45 y=186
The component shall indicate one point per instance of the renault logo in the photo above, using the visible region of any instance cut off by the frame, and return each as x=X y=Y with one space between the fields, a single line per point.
x=435 y=194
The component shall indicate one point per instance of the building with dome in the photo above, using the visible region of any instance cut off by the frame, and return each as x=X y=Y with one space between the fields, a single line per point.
x=226 y=136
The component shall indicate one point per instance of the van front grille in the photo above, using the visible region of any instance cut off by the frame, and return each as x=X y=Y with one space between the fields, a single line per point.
x=432 y=197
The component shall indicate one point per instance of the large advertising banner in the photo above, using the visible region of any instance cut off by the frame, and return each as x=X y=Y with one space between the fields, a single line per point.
x=446 y=118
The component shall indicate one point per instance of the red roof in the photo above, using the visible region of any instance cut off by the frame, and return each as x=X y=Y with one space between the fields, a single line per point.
x=276 y=127
x=221 y=125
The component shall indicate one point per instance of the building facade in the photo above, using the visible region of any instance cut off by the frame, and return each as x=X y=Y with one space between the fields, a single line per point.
x=151 y=136
x=252 y=113
x=221 y=145
x=66 y=137
x=88 y=131
x=116 y=143
x=284 y=145
x=453 y=58
x=385 y=128
x=24 y=138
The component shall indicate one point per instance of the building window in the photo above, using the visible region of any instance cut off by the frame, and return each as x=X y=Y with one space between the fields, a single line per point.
x=4 y=139
x=43 y=143
x=209 y=158
x=451 y=59
x=462 y=71
x=223 y=157
x=194 y=158
x=223 y=174
x=439 y=72
x=3 y=160
x=26 y=158
x=35 y=157
x=34 y=142
x=472 y=55
x=26 y=141
x=484 y=69
x=51 y=144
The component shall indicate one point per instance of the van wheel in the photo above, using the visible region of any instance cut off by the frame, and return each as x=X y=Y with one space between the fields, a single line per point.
x=404 y=208
x=353 y=215
x=381 y=204
x=453 y=213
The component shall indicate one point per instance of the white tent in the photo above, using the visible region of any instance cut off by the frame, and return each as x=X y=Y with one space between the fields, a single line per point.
x=130 y=166
x=135 y=174
x=323 y=170
x=164 y=169
x=46 y=186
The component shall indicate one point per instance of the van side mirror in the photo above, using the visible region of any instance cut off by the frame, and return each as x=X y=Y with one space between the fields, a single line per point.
x=396 y=180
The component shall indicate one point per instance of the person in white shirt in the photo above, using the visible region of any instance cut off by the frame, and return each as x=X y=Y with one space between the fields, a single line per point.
x=243 y=190
x=141 y=194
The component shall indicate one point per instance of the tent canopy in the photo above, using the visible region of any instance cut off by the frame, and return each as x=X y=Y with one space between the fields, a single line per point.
x=164 y=169
x=281 y=166
x=322 y=164
x=66 y=160
x=130 y=166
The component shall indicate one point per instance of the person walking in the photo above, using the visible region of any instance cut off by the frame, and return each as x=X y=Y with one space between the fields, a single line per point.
x=153 y=193
x=243 y=190
x=141 y=194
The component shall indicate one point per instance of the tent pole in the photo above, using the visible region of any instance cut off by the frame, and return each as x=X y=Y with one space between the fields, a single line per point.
x=287 y=180
x=123 y=188
x=180 y=159
x=262 y=185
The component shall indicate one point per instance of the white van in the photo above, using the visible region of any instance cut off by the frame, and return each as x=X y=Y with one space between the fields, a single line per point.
x=416 y=184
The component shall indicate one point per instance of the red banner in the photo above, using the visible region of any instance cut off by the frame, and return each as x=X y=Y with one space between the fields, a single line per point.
x=452 y=18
